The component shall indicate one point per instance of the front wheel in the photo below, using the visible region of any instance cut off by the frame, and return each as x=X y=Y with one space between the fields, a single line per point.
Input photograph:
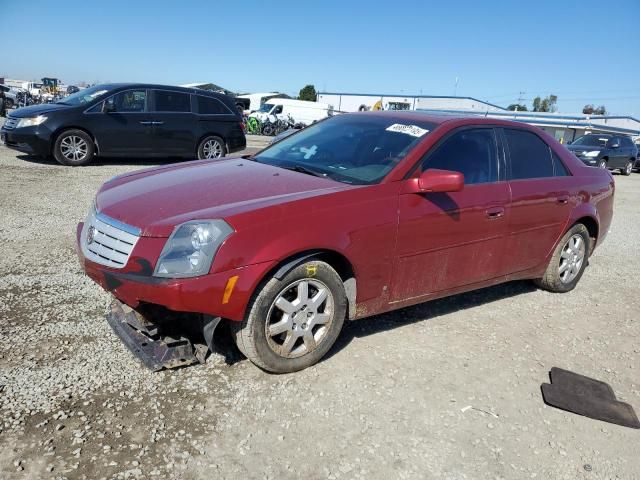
x=568 y=261
x=211 y=147
x=293 y=322
x=626 y=171
x=602 y=164
x=74 y=148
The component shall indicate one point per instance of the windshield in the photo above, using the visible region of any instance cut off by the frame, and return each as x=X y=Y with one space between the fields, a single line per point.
x=84 y=96
x=592 y=141
x=266 y=107
x=356 y=149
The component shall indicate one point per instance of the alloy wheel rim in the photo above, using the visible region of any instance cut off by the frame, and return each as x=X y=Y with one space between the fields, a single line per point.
x=212 y=149
x=299 y=318
x=74 y=148
x=603 y=164
x=571 y=258
x=629 y=168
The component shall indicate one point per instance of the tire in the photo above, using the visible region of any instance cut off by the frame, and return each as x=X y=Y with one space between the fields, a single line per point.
x=295 y=344
x=211 y=147
x=626 y=171
x=74 y=148
x=602 y=164
x=564 y=254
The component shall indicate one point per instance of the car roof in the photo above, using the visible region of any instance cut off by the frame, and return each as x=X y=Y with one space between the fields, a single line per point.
x=160 y=87
x=462 y=119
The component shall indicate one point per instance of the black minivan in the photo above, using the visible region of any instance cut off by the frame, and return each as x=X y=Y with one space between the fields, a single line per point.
x=133 y=120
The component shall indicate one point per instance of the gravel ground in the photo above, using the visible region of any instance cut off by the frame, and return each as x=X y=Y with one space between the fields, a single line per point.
x=448 y=389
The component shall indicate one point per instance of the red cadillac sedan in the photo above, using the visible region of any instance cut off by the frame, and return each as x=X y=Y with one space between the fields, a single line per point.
x=353 y=216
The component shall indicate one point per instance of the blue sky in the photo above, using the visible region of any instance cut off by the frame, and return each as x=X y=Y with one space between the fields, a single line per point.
x=582 y=51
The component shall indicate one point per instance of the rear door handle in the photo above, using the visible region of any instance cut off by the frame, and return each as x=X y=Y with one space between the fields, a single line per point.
x=495 y=212
x=563 y=199
x=146 y=123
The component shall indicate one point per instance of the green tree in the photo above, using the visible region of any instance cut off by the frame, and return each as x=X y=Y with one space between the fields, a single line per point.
x=601 y=110
x=517 y=107
x=588 y=109
x=547 y=104
x=308 y=93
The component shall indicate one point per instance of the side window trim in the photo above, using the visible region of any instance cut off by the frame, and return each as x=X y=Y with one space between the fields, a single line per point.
x=453 y=132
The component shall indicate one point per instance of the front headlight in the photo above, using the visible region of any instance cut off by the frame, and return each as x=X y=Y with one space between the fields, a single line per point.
x=592 y=154
x=191 y=247
x=31 y=121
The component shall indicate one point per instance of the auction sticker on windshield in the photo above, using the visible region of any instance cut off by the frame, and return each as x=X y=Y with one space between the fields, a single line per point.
x=412 y=130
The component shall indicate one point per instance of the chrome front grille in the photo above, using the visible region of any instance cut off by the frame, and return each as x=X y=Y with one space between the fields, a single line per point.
x=106 y=241
x=10 y=123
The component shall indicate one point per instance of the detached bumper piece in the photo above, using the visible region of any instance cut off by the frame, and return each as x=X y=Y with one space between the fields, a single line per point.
x=588 y=397
x=144 y=339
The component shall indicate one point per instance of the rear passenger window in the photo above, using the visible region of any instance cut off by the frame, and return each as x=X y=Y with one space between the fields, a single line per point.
x=471 y=152
x=172 y=101
x=530 y=156
x=559 y=169
x=211 y=106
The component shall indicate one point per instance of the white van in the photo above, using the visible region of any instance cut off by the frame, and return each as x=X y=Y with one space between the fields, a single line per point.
x=300 y=111
x=256 y=100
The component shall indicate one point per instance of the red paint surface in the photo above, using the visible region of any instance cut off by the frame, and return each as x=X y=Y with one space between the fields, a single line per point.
x=404 y=247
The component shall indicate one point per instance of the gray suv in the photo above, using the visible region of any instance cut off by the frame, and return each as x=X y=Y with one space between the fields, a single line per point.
x=606 y=151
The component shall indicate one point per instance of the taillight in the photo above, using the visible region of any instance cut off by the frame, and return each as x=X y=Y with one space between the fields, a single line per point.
x=243 y=126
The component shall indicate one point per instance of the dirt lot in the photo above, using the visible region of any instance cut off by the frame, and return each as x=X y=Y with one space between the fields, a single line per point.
x=390 y=401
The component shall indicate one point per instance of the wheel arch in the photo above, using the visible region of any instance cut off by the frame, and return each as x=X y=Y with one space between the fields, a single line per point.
x=593 y=227
x=56 y=134
x=211 y=134
x=336 y=260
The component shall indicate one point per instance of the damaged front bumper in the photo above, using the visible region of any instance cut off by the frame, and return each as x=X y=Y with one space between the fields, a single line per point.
x=154 y=345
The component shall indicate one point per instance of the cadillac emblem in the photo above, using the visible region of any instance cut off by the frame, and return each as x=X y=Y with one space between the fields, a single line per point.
x=90 y=233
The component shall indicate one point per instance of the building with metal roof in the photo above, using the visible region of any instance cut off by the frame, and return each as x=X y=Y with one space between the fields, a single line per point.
x=565 y=128
x=353 y=102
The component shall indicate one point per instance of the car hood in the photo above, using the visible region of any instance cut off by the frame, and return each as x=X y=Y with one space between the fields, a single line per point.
x=156 y=200
x=35 y=110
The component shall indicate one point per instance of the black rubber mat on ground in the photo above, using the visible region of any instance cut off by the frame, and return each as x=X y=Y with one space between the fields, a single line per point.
x=587 y=396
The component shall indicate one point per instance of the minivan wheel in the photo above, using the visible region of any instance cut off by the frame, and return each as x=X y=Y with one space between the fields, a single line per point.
x=626 y=171
x=602 y=164
x=74 y=148
x=568 y=261
x=211 y=147
x=292 y=322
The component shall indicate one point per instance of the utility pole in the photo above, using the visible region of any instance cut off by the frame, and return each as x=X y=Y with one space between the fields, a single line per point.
x=520 y=98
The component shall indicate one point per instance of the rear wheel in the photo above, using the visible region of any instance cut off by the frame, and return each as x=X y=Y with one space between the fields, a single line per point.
x=602 y=164
x=211 y=147
x=568 y=261
x=626 y=171
x=74 y=148
x=293 y=322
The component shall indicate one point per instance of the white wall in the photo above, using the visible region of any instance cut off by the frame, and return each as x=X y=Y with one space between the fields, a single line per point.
x=353 y=103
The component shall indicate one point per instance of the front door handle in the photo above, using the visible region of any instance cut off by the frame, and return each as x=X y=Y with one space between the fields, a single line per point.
x=157 y=123
x=495 y=212
x=563 y=199
x=146 y=123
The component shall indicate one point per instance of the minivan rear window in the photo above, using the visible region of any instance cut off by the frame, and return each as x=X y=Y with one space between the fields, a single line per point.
x=167 y=101
x=211 y=106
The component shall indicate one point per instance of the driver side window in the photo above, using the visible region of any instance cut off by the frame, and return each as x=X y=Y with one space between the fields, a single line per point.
x=471 y=152
x=128 y=101
x=277 y=110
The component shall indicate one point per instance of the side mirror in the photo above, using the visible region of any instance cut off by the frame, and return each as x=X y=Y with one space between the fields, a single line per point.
x=434 y=180
x=109 y=107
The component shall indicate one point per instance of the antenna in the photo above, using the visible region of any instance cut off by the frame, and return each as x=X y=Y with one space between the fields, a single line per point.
x=455 y=88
